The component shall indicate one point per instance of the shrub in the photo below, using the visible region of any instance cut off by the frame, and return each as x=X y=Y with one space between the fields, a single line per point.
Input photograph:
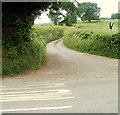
x=29 y=55
x=92 y=42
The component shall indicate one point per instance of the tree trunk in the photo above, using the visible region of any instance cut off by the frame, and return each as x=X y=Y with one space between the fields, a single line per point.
x=89 y=20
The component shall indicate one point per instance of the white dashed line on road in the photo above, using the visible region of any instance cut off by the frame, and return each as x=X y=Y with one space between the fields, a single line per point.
x=33 y=109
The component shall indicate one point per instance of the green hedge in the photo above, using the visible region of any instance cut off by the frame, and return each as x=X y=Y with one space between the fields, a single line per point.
x=92 y=42
x=32 y=54
x=29 y=55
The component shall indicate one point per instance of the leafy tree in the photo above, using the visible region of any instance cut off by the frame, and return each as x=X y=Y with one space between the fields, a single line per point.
x=54 y=16
x=66 y=14
x=17 y=19
x=88 y=11
x=115 y=16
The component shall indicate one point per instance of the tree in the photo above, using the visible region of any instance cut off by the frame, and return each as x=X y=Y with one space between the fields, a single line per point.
x=88 y=11
x=66 y=14
x=17 y=19
x=54 y=16
x=115 y=16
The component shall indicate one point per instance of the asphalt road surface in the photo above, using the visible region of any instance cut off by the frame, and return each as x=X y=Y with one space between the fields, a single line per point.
x=70 y=82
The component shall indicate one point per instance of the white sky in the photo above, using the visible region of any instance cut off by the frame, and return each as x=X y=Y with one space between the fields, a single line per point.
x=107 y=8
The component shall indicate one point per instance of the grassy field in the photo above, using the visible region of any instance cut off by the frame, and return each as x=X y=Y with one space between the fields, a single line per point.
x=98 y=26
x=94 y=38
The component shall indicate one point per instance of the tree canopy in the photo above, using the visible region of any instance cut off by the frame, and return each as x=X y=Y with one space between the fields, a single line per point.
x=88 y=11
x=66 y=14
x=115 y=16
x=18 y=17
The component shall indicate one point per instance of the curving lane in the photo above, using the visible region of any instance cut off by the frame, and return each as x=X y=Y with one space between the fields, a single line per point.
x=70 y=82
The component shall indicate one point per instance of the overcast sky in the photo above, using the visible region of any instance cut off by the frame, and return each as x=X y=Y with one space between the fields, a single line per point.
x=107 y=8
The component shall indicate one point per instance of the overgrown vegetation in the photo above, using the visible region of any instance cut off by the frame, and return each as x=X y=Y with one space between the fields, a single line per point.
x=20 y=53
x=24 y=47
x=98 y=43
x=31 y=55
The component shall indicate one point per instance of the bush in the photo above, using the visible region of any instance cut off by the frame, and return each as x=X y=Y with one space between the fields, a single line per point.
x=29 y=55
x=47 y=33
x=92 y=42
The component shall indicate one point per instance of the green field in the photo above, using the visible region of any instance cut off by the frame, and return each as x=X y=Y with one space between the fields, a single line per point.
x=98 y=26
x=94 y=38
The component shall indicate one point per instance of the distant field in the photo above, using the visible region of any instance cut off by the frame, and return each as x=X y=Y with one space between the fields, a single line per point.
x=94 y=38
x=98 y=26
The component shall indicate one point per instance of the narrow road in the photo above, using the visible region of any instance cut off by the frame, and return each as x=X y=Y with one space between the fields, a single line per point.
x=70 y=82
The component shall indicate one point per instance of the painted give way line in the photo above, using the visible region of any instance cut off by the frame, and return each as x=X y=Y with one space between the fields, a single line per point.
x=33 y=109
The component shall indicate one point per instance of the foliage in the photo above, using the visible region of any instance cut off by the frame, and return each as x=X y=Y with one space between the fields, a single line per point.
x=47 y=34
x=88 y=11
x=17 y=20
x=92 y=42
x=31 y=55
x=59 y=18
x=54 y=16
x=18 y=17
x=115 y=16
x=19 y=52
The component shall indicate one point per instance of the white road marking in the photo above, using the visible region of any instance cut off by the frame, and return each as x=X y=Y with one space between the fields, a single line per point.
x=37 y=95
x=47 y=85
x=37 y=99
x=41 y=91
x=21 y=95
x=53 y=85
x=53 y=95
x=33 y=109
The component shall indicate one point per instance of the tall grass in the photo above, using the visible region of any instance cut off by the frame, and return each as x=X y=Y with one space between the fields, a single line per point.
x=30 y=55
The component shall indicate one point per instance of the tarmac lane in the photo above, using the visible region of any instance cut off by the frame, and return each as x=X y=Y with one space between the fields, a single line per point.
x=70 y=82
